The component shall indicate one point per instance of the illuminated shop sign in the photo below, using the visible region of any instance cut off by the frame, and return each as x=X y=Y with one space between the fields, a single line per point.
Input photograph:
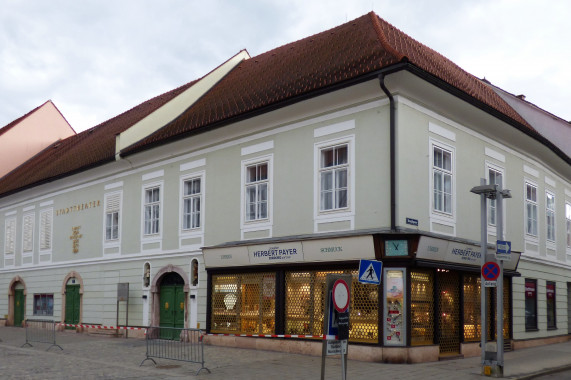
x=351 y=248
x=290 y=252
x=460 y=253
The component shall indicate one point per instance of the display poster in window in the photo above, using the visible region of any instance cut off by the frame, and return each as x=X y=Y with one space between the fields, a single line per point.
x=269 y=287
x=394 y=307
x=530 y=290
x=550 y=291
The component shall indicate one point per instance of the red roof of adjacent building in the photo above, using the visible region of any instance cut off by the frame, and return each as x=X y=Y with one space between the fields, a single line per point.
x=308 y=67
x=87 y=149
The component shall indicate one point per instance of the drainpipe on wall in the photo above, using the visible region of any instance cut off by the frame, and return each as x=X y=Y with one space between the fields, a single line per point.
x=392 y=159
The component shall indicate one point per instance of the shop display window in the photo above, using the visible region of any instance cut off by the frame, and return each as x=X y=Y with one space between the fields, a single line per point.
x=472 y=309
x=421 y=308
x=530 y=304
x=550 y=296
x=305 y=306
x=244 y=303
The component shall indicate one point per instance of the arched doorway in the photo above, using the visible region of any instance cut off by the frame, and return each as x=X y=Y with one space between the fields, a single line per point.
x=16 y=301
x=170 y=289
x=72 y=291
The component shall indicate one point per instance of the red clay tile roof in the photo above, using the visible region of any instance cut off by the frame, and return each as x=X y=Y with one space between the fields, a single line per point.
x=346 y=52
x=352 y=51
x=87 y=149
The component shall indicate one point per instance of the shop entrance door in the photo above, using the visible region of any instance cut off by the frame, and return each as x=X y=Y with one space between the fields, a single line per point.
x=19 y=307
x=448 y=312
x=72 y=301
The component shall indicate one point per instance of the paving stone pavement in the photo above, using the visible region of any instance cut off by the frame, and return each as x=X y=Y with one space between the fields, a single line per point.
x=101 y=357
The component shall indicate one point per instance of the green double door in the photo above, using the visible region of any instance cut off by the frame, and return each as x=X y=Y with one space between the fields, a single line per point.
x=72 y=301
x=19 y=307
x=172 y=311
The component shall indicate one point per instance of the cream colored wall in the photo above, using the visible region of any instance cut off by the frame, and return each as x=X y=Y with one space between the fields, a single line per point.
x=31 y=135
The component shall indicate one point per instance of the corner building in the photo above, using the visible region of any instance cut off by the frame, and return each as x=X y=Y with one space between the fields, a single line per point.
x=234 y=195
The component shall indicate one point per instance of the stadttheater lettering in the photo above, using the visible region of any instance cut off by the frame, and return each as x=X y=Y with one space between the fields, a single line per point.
x=78 y=207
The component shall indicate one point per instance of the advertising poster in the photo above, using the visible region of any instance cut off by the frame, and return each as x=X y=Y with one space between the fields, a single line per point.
x=394 y=306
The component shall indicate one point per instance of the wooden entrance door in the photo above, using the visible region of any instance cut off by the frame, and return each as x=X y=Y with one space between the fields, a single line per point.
x=72 y=303
x=19 y=307
x=172 y=310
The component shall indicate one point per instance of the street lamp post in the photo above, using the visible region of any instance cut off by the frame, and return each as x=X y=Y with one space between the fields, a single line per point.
x=491 y=192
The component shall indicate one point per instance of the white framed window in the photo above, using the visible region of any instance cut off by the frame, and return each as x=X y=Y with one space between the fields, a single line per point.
x=334 y=177
x=334 y=182
x=46 y=229
x=192 y=189
x=112 y=228
x=10 y=236
x=495 y=177
x=442 y=180
x=28 y=233
x=530 y=209
x=568 y=223
x=550 y=216
x=257 y=192
x=152 y=201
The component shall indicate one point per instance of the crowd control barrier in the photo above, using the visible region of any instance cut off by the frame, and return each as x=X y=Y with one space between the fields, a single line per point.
x=175 y=344
x=41 y=331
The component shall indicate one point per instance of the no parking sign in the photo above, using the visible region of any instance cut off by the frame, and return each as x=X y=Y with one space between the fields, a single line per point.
x=490 y=273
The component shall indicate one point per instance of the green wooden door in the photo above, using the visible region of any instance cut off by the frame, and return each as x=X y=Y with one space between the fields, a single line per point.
x=19 y=307
x=72 y=305
x=172 y=310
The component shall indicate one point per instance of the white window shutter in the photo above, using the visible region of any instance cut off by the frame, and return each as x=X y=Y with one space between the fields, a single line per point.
x=113 y=202
x=46 y=230
x=28 y=233
x=10 y=235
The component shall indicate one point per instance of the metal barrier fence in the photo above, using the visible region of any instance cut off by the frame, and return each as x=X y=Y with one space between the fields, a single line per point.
x=175 y=344
x=41 y=331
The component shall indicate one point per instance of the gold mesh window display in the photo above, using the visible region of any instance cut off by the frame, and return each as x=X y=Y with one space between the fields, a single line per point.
x=448 y=311
x=305 y=306
x=472 y=310
x=422 y=308
x=243 y=303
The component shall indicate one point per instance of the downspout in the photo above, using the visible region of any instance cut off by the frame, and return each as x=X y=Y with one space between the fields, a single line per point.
x=392 y=138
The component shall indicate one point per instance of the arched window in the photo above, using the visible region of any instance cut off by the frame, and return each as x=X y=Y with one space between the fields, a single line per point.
x=147 y=275
x=194 y=272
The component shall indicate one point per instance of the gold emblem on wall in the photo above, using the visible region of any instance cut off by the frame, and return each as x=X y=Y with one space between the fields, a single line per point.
x=166 y=305
x=75 y=236
x=182 y=306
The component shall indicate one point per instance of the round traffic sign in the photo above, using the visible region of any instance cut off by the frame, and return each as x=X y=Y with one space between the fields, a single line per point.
x=341 y=296
x=490 y=271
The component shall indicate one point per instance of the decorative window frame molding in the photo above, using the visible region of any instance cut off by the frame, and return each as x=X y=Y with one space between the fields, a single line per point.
x=332 y=216
x=265 y=224
x=437 y=216
x=152 y=238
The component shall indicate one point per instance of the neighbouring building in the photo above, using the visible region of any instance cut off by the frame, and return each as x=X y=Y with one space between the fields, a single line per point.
x=224 y=203
x=31 y=133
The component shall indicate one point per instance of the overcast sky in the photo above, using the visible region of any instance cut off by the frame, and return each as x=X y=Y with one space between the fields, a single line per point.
x=96 y=59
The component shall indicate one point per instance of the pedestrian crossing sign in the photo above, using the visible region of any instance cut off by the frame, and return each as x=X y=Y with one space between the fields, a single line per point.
x=370 y=272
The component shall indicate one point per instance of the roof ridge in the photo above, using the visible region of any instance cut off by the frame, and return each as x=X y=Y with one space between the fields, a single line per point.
x=383 y=39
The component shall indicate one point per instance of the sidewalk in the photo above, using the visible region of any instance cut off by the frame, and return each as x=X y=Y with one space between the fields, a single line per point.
x=99 y=357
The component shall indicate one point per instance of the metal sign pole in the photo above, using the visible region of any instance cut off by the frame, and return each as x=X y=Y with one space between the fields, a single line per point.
x=500 y=288
x=483 y=251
